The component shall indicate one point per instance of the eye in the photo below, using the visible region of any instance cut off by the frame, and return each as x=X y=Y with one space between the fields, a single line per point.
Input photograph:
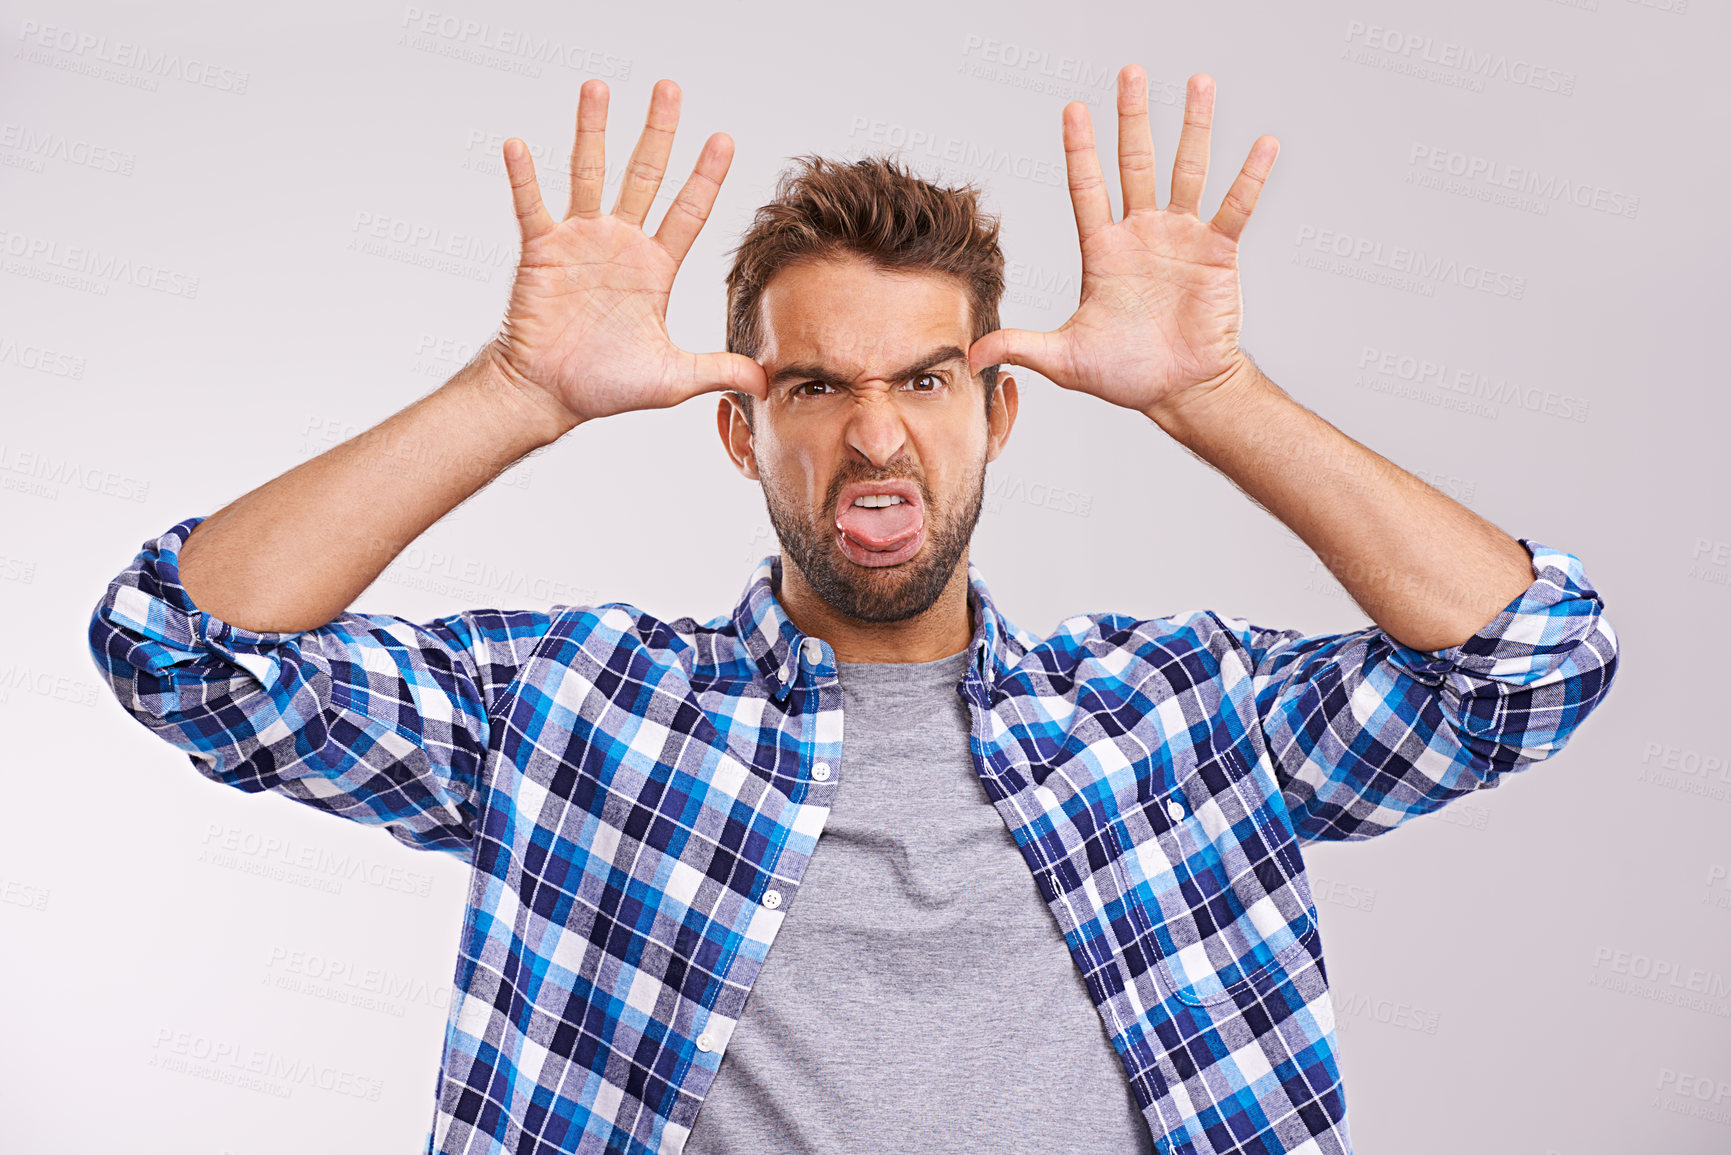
x=936 y=379
x=808 y=384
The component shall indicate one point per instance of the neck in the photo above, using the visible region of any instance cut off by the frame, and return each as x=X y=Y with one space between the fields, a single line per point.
x=945 y=628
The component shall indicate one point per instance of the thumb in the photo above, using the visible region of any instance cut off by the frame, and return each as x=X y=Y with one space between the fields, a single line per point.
x=1037 y=351
x=711 y=372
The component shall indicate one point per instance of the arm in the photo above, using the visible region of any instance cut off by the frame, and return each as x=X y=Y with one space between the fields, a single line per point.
x=1157 y=331
x=370 y=717
x=1365 y=733
x=293 y=553
x=1425 y=568
x=584 y=337
x=1485 y=656
x=298 y=549
x=228 y=636
x=264 y=681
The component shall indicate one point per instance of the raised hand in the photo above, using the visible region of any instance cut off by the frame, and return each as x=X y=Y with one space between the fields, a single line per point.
x=586 y=326
x=1160 y=309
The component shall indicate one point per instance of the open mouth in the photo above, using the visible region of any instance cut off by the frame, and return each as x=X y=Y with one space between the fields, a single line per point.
x=880 y=523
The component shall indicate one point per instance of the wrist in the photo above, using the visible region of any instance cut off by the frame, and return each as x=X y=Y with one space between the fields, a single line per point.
x=527 y=413
x=1181 y=411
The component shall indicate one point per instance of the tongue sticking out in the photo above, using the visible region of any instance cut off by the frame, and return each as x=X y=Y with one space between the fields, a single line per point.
x=881 y=530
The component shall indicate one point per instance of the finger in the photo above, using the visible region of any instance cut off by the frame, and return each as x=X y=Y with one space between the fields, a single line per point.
x=589 y=153
x=1135 y=142
x=1240 y=199
x=720 y=372
x=1041 y=352
x=1087 y=186
x=691 y=207
x=1190 y=166
x=533 y=218
x=649 y=159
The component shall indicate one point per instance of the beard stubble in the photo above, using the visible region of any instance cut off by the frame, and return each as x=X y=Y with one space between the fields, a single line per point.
x=886 y=594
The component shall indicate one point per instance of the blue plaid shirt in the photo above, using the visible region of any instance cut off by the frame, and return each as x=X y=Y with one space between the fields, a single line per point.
x=639 y=798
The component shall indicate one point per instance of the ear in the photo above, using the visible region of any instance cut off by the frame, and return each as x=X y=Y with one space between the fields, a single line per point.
x=736 y=434
x=1003 y=416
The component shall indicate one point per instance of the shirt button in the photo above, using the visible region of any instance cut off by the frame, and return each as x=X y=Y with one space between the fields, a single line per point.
x=1174 y=810
x=821 y=771
x=813 y=651
x=704 y=1043
x=772 y=898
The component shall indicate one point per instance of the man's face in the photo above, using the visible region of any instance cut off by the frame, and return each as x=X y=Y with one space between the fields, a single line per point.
x=873 y=444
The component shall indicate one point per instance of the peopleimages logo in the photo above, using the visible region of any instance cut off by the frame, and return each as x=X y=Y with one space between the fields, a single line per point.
x=45 y=467
x=428 y=30
x=1661 y=980
x=948 y=149
x=1415 y=49
x=1688 y=771
x=89 y=269
x=304 y=864
x=1041 y=61
x=1537 y=190
x=40 y=145
x=1471 y=383
x=1711 y=561
x=88 y=50
x=343 y=981
x=1400 y=266
x=40 y=359
x=1697 y=1096
x=254 y=1068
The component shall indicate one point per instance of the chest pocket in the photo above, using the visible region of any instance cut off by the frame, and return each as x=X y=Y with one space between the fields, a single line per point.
x=1224 y=878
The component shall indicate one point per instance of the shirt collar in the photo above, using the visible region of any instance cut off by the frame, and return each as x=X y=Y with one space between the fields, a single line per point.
x=775 y=643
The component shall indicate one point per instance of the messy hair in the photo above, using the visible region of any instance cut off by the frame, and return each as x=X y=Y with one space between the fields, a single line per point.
x=876 y=209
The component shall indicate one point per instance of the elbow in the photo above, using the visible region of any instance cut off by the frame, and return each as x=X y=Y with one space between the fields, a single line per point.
x=1591 y=669
x=1607 y=657
x=111 y=650
x=1521 y=724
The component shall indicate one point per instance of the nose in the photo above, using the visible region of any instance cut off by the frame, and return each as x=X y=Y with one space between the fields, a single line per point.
x=875 y=429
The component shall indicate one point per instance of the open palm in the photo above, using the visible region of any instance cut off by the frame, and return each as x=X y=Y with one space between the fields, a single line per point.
x=1161 y=308
x=586 y=324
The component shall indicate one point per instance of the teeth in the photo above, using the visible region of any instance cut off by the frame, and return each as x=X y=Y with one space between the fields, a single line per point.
x=878 y=500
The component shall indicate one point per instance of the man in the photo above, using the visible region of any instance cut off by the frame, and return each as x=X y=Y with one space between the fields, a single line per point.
x=865 y=765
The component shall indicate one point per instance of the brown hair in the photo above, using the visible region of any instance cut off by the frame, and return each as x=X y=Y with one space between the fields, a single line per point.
x=873 y=208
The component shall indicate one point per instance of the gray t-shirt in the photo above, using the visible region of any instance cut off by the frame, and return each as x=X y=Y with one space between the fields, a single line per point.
x=921 y=999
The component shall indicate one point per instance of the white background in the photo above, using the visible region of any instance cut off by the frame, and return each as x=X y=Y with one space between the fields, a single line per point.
x=191 y=302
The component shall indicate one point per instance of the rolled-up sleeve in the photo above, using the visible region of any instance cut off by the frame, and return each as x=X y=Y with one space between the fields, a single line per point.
x=370 y=717
x=1366 y=733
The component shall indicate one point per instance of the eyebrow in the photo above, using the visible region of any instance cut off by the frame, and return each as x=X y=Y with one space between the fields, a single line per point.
x=807 y=371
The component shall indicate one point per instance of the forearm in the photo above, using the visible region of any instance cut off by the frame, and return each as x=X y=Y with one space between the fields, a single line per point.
x=1427 y=570
x=295 y=552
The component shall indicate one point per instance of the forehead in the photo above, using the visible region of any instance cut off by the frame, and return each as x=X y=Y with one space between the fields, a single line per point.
x=853 y=317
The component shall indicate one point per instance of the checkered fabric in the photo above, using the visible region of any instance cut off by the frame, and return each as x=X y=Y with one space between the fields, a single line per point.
x=637 y=801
